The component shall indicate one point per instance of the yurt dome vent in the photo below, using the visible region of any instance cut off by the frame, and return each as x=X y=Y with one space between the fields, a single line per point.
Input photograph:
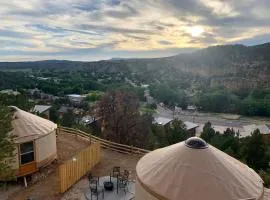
x=196 y=143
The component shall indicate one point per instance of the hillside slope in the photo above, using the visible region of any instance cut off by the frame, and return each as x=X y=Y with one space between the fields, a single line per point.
x=231 y=66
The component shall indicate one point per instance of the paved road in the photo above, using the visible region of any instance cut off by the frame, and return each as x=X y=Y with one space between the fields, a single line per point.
x=202 y=118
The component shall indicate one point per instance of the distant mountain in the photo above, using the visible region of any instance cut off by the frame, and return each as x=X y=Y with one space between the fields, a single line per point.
x=231 y=66
x=121 y=58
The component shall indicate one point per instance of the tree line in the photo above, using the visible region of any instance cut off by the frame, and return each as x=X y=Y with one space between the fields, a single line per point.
x=253 y=150
x=251 y=103
x=254 y=102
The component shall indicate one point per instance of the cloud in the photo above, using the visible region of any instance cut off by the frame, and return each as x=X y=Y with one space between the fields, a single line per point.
x=125 y=11
x=103 y=28
x=164 y=42
x=111 y=29
x=13 y=34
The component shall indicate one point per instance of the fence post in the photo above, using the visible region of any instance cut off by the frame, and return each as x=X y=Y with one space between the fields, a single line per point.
x=59 y=130
x=131 y=149
x=90 y=138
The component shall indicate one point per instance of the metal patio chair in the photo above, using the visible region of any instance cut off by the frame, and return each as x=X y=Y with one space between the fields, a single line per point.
x=96 y=189
x=91 y=177
x=122 y=183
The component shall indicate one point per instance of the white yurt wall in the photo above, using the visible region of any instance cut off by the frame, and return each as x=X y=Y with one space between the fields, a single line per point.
x=46 y=149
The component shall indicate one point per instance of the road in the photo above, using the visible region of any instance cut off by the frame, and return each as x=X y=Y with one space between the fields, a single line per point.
x=201 y=118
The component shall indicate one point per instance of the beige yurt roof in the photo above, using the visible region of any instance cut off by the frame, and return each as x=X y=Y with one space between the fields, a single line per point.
x=194 y=170
x=27 y=126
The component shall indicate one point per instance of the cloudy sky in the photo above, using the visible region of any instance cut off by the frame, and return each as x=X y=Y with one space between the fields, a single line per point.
x=102 y=29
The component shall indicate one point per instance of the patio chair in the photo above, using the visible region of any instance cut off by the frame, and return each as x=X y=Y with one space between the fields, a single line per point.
x=116 y=171
x=122 y=183
x=91 y=177
x=95 y=189
x=127 y=175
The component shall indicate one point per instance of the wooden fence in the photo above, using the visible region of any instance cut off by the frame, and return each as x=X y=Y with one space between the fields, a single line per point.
x=71 y=171
x=105 y=143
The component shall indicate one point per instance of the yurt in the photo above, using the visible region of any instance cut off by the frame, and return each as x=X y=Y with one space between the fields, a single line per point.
x=35 y=140
x=194 y=170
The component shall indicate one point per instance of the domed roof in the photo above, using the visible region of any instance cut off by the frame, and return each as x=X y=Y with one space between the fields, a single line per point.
x=27 y=126
x=194 y=170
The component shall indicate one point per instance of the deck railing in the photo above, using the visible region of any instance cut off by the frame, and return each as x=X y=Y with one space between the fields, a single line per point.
x=105 y=143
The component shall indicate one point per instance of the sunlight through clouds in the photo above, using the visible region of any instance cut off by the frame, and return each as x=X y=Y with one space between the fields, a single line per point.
x=195 y=31
x=110 y=26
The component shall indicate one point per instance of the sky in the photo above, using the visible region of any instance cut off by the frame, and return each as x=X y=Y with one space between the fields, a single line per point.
x=102 y=29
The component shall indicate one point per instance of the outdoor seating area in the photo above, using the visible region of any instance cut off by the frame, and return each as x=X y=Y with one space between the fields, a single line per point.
x=116 y=186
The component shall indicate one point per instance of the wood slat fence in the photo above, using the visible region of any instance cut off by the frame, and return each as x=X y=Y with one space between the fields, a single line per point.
x=105 y=143
x=72 y=170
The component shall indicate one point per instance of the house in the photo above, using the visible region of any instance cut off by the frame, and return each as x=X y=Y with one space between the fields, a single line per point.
x=263 y=128
x=144 y=85
x=76 y=98
x=34 y=91
x=162 y=120
x=10 y=92
x=63 y=110
x=43 y=110
x=48 y=97
x=191 y=128
x=43 y=78
x=191 y=108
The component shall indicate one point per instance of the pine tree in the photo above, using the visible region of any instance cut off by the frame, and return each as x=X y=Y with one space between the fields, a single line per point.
x=7 y=146
x=255 y=152
x=208 y=132
x=176 y=132
x=68 y=119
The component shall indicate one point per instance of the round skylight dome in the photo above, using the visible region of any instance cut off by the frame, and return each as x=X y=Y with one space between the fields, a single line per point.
x=196 y=143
